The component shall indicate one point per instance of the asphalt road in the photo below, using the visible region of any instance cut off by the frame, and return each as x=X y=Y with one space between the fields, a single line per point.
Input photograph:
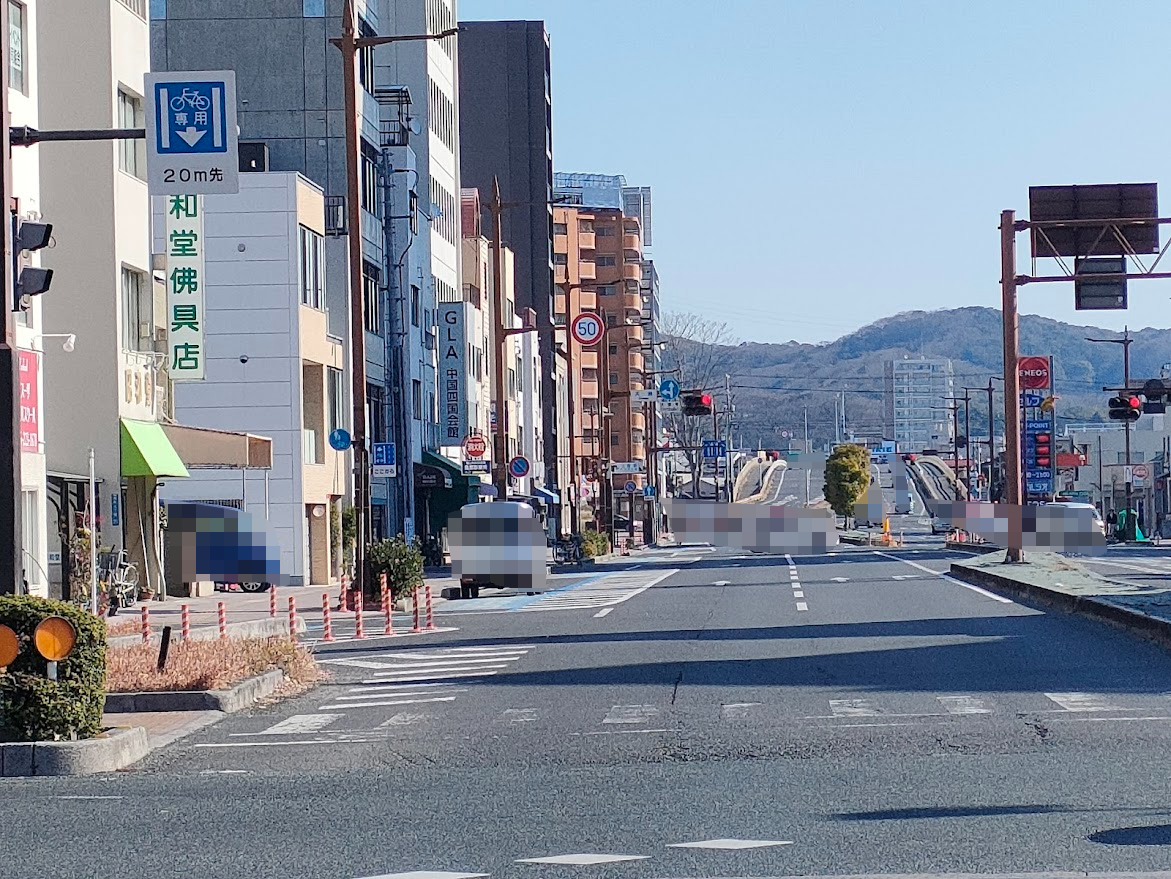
x=858 y=711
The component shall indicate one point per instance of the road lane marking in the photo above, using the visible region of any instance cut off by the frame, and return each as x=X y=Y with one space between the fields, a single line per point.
x=583 y=860
x=386 y=703
x=720 y=583
x=736 y=709
x=603 y=612
x=1082 y=702
x=403 y=677
x=853 y=708
x=520 y=715
x=88 y=797
x=944 y=576
x=279 y=744
x=428 y=874
x=964 y=705
x=376 y=692
x=801 y=605
x=630 y=714
x=839 y=579
x=404 y=718
x=798 y=593
x=298 y=724
x=730 y=844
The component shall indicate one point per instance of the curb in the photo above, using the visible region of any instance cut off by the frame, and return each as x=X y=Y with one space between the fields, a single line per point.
x=115 y=750
x=229 y=701
x=1154 y=628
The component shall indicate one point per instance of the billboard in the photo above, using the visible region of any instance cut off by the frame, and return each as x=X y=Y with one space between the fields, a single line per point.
x=1038 y=428
x=453 y=372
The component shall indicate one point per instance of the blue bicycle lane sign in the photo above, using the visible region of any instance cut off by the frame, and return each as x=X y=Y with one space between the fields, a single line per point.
x=192 y=142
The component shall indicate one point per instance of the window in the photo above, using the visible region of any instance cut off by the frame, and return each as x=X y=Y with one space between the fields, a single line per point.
x=560 y=229
x=444 y=213
x=376 y=413
x=589 y=375
x=136 y=311
x=371 y=298
x=585 y=225
x=312 y=255
x=413 y=211
x=613 y=379
x=613 y=349
x=131 y=151
x=366 y=59
x=560 y=259
x=414 y=305
x=614 y=439
x=440 y=18
x=441 y=116
x=605 y=231
x=16 y=46
x=335 y=394
x=370 y=180
x=603 y=260
x=417 y=399
x=30 y=519
x=606 y=290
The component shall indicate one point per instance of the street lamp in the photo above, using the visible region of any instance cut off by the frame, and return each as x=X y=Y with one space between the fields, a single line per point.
x=349 y=43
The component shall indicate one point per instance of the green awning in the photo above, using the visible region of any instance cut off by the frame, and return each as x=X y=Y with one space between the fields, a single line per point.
x=433 y=460
x=146 y=451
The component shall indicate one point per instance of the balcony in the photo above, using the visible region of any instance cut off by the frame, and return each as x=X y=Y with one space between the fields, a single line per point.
x=631 y=242
x=587 y=271
x=585 y=240
x=631 y=271
x=588 y=300
x=637 y=420
x=632 y=302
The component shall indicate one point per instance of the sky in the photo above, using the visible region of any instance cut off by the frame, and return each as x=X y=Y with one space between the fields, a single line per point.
x=817 y=165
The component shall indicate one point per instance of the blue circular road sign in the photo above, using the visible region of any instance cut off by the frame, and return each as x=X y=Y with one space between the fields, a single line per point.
x=339 y=440
x=631 y=486
x=669 y=389
x=519 y=467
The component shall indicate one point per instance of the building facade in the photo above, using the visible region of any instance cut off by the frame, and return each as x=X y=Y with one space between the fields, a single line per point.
x=273 y=369
x=31 y=330
x=506 y=135
x=915 y=399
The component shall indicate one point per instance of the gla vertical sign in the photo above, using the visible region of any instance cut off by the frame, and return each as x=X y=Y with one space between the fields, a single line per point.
x=192 y=142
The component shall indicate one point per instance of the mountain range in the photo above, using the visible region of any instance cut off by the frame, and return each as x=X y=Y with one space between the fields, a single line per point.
x=773 y=383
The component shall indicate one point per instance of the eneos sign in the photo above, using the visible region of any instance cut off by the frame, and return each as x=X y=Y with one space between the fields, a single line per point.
x=1033 y=372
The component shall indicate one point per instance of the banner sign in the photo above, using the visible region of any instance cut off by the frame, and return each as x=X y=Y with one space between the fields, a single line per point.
x=453 y=371
x=185 y=283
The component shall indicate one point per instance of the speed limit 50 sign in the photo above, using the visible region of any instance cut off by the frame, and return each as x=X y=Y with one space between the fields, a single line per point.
x=586 y=328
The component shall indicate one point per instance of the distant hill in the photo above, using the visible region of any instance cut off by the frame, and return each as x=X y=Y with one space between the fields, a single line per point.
x=772 y=382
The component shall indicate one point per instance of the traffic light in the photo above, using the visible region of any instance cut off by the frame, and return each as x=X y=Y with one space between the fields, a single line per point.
x=29 y=281
x=1156 y=393
x=1127 y=408
x=696 y=403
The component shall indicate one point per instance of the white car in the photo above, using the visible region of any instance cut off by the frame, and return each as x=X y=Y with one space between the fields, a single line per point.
x=1099 y=522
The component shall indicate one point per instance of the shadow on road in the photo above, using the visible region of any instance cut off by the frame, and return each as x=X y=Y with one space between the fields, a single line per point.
x=1154 y=834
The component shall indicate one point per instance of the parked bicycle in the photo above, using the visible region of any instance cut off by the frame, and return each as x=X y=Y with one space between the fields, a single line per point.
x=118 y=579
x=568 y=551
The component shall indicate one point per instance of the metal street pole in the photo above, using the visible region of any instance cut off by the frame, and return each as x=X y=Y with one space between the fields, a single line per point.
x=349 y=43
x=808 y=448
x=1125 y=343
x=1012 y=390
x=500 y=435
x=1101 y=482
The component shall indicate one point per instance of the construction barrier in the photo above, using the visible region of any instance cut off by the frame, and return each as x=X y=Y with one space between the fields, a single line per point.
x=430 y=614
x=326 y=622
x=415 y=601
x=359 y=631
x=387 y=607
x=185 y=621
x=272 y=601
x=222 y=618
x=145 y=624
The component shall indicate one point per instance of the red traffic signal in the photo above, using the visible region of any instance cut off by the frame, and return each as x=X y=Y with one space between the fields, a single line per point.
x=705 y=399
x=696 y=403
x=1127 y=408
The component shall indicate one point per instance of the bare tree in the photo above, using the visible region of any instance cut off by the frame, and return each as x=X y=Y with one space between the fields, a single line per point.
x=698 y=349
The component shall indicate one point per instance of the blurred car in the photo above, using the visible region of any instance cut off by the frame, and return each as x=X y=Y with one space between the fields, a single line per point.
x=1099 y=522
x=499 y=544
x=221 y=544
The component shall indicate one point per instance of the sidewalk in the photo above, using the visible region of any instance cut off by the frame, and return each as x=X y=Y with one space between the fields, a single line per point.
x=1059 y=582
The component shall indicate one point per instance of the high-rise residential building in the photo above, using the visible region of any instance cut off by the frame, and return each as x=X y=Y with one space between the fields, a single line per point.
x=30 y=325
x=292 y=115
x=506 y=135
x=598 y=262
x=916 y=413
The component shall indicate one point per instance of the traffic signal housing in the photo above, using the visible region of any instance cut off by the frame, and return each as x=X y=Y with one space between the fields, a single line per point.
x=696 y=403
x=1156 y=393
x=29 y=281
x=1125 y=408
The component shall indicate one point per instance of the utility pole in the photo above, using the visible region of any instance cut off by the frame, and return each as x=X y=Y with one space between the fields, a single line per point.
x=1125 y=343
x=1012 y=389
x=500 y=438
x=11 y=531
x=349 y=43
x=808 y=448
x=1101 y=482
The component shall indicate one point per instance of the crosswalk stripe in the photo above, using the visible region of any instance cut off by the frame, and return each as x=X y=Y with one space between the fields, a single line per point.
x=964 y=705
x=393 y=693
x=403 y=677
x=630 y=714
x=453 y=665
x=520 y=715
x=299 y=724
x=853 y=708
x=1082 y=701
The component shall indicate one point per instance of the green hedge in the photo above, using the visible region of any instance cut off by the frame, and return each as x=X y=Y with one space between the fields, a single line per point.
x=35 y=709
x=402 y=562
x=594 y=543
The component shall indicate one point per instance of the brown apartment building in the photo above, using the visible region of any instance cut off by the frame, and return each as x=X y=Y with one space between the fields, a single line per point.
x=597 y=255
